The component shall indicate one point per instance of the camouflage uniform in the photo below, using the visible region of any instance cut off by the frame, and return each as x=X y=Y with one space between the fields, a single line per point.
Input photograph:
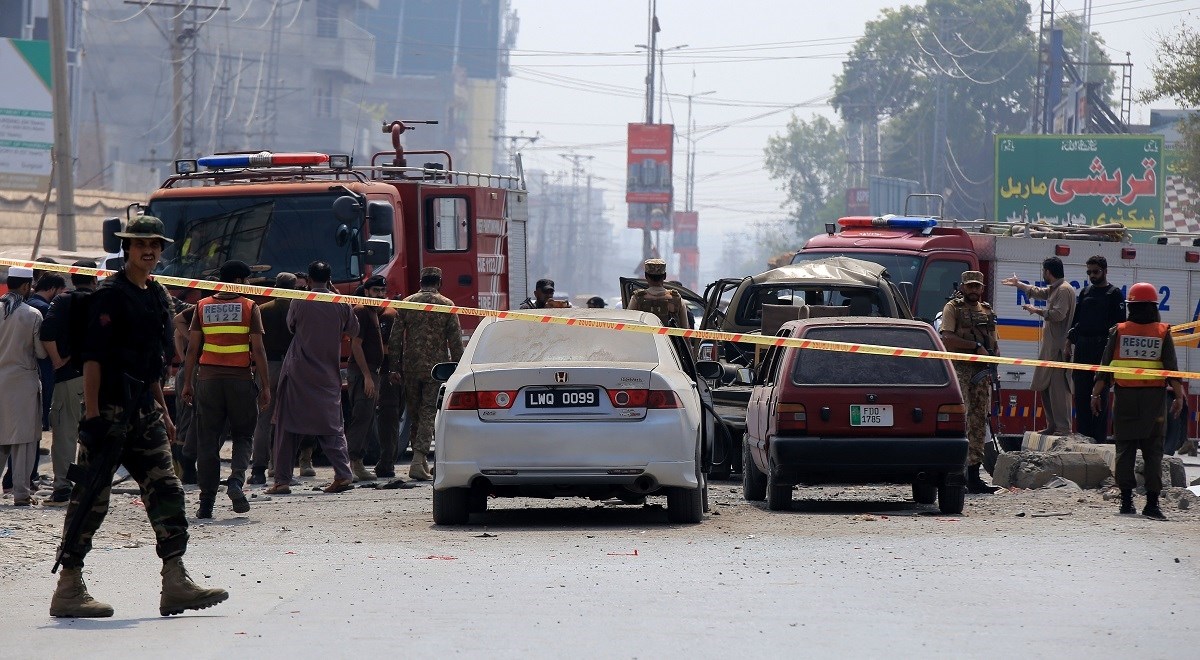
x=129 y=332
x=976 y=324
x=664 y=303
x=419 y=340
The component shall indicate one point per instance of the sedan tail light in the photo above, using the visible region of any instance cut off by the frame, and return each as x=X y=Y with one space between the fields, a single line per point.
x=488 y=400
x=791 y=418
x=652 y=399
x=952 y=418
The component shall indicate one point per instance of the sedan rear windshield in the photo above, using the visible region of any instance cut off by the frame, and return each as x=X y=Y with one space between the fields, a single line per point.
x=521 y=341
x=814 y=367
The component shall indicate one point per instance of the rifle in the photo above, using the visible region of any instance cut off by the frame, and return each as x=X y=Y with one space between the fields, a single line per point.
x=104 y=443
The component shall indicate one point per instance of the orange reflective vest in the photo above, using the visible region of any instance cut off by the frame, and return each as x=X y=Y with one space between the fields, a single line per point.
x=1140 y=346
x=226 y=327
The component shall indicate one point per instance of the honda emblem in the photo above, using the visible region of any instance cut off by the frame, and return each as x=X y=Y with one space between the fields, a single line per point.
x=560 y=376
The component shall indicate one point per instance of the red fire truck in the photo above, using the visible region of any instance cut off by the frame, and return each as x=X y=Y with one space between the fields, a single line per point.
x=280 y=211
x=926 y=259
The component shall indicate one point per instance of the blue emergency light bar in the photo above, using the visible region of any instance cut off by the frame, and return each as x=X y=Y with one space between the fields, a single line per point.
x=887 y=221
x=261 y=159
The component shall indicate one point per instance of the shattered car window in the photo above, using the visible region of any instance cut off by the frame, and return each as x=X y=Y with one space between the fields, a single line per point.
x=815 y=367
x=520 y=341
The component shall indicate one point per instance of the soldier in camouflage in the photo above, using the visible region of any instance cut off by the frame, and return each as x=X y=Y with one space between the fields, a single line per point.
x=420 y=340
x=664 y=303
x=129 y=337
x=969 y=326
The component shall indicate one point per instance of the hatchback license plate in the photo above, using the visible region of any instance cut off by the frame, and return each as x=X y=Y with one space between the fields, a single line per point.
x=870 y=415
x=576 y=398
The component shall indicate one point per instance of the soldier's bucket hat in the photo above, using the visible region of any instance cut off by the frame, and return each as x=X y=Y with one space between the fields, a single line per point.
x=145 y=226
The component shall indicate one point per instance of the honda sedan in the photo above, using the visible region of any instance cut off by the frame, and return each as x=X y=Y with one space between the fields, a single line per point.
x=547 y=410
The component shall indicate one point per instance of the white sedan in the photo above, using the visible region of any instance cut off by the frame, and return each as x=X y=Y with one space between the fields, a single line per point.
x=547 y=410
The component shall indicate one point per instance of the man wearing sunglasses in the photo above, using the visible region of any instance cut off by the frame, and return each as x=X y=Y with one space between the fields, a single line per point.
x=1100 y=306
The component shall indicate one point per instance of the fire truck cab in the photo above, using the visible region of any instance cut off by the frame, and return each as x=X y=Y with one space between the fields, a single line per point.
x=279 y=212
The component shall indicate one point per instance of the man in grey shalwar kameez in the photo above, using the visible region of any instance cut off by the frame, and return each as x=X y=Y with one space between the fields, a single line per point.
x=20 y=403
x=309 y=393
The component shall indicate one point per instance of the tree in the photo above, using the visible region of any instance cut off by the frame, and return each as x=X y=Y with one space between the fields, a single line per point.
x=1177 y=77
x=810 y=159
x=982 y=56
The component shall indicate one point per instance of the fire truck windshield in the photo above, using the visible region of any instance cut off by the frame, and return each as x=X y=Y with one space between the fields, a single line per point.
x=271 y=233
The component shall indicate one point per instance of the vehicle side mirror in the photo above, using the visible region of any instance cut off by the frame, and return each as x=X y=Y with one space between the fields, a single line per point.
x=442 y=371
x=347 y=209
x=709 y=370
x=380 y=218
x=377 y=253
x=109 y=229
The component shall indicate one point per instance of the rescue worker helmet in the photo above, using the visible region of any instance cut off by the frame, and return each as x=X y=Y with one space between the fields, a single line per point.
x=1142 y=292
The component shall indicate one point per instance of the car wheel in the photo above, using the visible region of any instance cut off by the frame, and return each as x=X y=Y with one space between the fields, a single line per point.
x=477 y=501
x=451 y=506
x=685 y=505
x=924 y=493
x=779 y=496
x=754 y=483
x=951 y=498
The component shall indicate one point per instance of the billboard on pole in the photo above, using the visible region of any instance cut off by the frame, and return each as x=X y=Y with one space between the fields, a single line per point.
x=685 y=224
x=1080 y=179
x=649 y=186
x=26 y=115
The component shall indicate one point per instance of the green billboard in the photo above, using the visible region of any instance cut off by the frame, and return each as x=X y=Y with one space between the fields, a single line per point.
x=1081 y=179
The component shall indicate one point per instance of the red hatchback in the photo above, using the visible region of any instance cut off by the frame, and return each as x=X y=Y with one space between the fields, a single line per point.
x=819 y=417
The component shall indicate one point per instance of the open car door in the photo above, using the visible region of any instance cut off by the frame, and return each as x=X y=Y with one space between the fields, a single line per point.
x=693 y=300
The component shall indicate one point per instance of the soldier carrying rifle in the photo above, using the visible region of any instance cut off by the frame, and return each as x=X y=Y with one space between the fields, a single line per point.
x=127 y=344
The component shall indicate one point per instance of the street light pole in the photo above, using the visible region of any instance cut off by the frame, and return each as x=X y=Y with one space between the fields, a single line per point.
x=690 y=185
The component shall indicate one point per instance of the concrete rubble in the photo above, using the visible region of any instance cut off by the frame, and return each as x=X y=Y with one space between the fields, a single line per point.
x=1075 y=458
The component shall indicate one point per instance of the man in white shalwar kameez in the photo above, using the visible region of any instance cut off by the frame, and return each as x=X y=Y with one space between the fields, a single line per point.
x=21 y=402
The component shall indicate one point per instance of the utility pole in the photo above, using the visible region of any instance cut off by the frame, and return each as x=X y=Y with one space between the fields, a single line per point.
x=937 y=170
x=690 y=185
x=181 y=40
x=513 y=142
x=63 y=165
x=569 y=242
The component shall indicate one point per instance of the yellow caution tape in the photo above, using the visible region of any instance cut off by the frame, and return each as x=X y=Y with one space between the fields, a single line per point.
x=531 y=316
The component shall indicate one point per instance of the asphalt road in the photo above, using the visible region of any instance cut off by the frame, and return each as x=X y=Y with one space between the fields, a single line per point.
x=853 y=571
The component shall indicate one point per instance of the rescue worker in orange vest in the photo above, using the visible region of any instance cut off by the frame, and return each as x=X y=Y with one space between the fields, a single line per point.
x=226 y=339
x=1140 y=401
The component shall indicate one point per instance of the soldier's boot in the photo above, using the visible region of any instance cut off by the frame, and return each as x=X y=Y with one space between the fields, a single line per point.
x=975 y=484
x=205 y=510
x=361 y=473
x=306 y=466
x=71 y=597
x=179 y=593
x=1151 y=509
x=258 y=476
x=1127 y=502
x=419 y=469
x=189 y=470
x=233 y=488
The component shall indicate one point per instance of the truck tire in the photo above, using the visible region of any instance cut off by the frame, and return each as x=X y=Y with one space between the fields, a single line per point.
x=779 y=496
x=451 y=506
x=951 y=499
x=924 y=493
x=754 y=483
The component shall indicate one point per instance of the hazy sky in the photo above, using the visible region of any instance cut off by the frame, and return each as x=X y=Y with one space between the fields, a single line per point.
x=578 y=79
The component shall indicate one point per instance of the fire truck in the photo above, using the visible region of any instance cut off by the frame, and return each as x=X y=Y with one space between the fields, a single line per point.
x=926 y=257
x=280 y=211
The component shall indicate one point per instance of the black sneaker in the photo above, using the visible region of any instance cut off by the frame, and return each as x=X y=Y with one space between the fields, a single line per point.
x=258 y=477
x=234 y=489
x=205 y=510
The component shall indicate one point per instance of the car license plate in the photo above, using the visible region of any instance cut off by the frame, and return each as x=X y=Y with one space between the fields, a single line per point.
x=870 y=415
x=562 y=398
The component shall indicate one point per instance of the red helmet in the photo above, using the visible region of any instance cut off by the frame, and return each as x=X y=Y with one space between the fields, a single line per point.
x=1142 y=292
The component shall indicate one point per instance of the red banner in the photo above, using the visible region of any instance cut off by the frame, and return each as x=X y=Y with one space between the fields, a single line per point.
x=689 y=268
x=649 y=187
x=858 y=201
x=685 y=224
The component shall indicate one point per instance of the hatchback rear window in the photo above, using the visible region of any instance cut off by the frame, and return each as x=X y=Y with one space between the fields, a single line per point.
x=521 y=341
x=813 y=367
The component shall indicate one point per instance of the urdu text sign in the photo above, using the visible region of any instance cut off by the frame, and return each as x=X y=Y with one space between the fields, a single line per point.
x=1081 y=179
